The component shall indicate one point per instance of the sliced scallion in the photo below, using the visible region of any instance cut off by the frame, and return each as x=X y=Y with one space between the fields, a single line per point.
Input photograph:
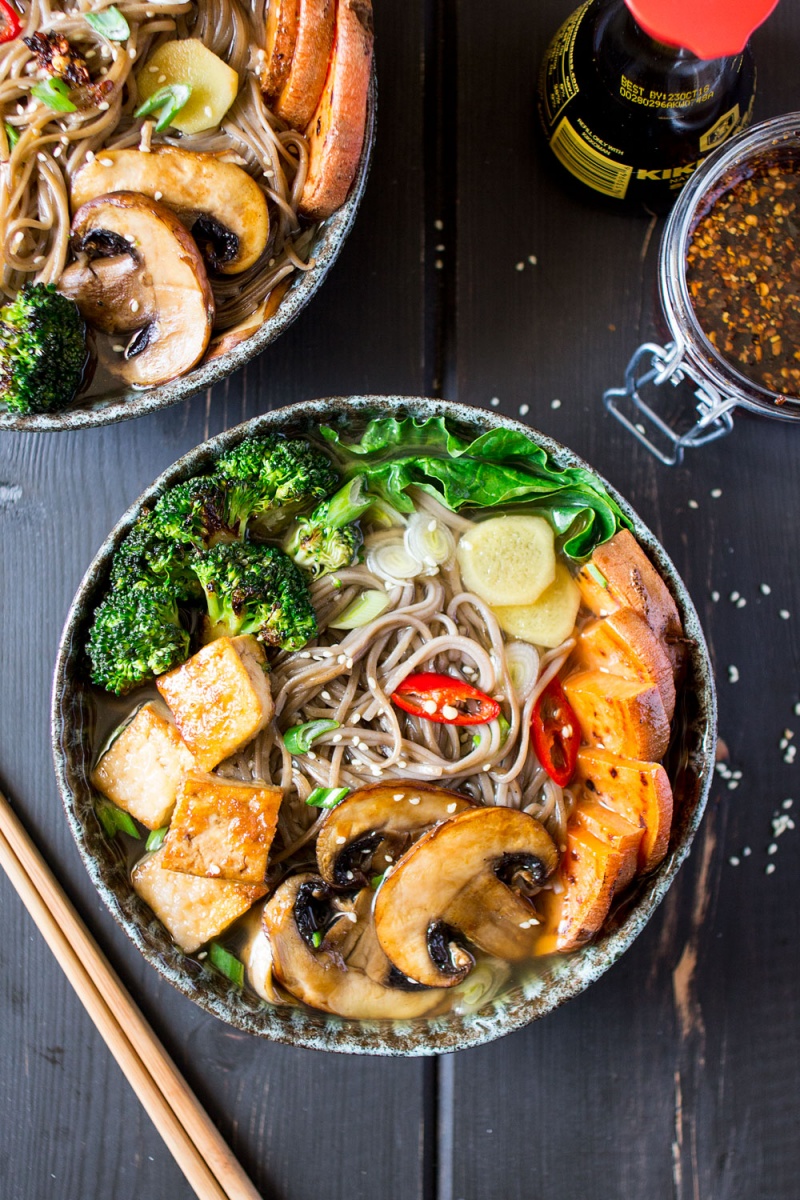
x=115 y=820
x=377 y=880
x=156 y=837
x=226 y=963
x=55 y=94
x=596 y=575
x=316 y=938
x=505 y=729
x=12 y=135
x=364 y=608
x=109 y=23
x=168 y=101
x=323 y=797
x=300 y=738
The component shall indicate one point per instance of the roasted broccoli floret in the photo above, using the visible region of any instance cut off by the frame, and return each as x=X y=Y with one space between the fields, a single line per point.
x=146 y=561
x=250 y=588
x=42 y=350
x=136 y=634
x=192 y=514
x=328 y=539
x=272 y=479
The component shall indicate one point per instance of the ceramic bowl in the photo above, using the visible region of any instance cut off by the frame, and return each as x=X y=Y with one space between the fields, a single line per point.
x=130 y=402
x=689 y=763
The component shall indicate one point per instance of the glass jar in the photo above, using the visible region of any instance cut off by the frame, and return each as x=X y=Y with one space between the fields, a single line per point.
x=689 y=358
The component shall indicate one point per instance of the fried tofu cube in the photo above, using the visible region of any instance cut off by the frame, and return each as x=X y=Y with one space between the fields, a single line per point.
x=618 y=714
x=143 y=767
x=638 y=791
x=193 y=910
x=220 y=698
x=222 y=828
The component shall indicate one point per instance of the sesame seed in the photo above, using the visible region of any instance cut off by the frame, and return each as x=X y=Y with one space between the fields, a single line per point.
x=90 y=155
x=766 y=590
x=429 y=707
x=432 y=526
x=356 y=741
x=555 y=404
x=17 y=239
x=157 y=196
x=772 y=848
x=402 y=764
x=440 y=248
x=733 y=860
x=715 y=596
x=438 y=264
x=104 y=106
x=208 y=111
x=152 y=70
x=524 y=409
x=337 y=737
x=372 y=682
x=57 y=152
x=438 y=224
x=787 y=804
x=449 y=712
x=451 y=808
x=349 y=876
x=340 y=841
x=325 y=695
x=520 y=266
x=487 y=767
x=131 y=53
x=118 y=349
x=162 y=79
x=733 y=785
x=734 y=596
x=746 y=852
x=784 y=614
x=495 y=401
x=733 y=674
x=693 y=504
x=398 y=795
x=130 y=238
x=134 y=306
x=736 y=775
x=348 y=662
x=355 y=718
x=716 y=493
x=533 y=260
x=413 y=800
x=769 y=869
x=41 y=157
x=376 y=770
x=740 y=603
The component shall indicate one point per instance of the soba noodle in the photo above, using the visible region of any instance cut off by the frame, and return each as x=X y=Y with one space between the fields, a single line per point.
x=52 y=147
x=431 y=624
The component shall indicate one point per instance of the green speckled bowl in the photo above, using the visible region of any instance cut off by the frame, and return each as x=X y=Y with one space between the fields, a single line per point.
x=689 y=763
x=129 y=402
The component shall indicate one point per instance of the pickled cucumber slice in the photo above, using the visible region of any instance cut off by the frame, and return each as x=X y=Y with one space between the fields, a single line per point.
x=213 y=83
x=551 y=619
x=508 y=560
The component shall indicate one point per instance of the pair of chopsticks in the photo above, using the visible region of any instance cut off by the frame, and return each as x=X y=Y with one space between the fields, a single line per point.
x=177 y=1114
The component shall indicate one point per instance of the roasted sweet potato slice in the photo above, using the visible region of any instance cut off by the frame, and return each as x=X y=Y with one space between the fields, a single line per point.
x=624 y=644
x=609 y=826
x=336 y=130
x=622 y=715
x=298 y=98
x=638 y=791
x=282 y=21
x=587 y=877
x=620 y=575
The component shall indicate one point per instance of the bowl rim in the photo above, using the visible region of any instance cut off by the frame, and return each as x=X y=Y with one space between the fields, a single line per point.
x=333 y=233
x=394 y=1038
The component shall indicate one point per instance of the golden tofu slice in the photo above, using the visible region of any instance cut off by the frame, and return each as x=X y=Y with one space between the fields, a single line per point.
x=620 y=575
x=624 y=644
x=192 y=910
x=587 y=881
x=220 y=698
x=143 y=767
x=609 y=826
x=222 y=828
x=638 y=791
x=618 y=714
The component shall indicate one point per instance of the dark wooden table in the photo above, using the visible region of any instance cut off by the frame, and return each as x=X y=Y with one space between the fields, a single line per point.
x=675 y=1075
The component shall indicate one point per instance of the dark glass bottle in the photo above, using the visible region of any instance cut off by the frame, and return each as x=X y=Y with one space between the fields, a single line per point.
x=629 y=117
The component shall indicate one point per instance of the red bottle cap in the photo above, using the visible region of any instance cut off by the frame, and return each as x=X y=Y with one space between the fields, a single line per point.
x=709 y=28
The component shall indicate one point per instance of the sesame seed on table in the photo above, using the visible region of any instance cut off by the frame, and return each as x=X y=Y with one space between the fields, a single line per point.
x=470 y=274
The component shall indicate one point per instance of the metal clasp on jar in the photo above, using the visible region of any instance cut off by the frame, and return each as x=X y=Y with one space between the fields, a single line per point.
x=667 y=364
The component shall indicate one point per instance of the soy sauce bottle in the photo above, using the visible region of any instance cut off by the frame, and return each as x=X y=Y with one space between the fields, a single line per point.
x=634 y=94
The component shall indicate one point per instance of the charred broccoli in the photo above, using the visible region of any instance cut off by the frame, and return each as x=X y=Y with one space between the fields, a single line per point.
x=136 y=634
x=266 y=476
x=328 y=539
x=256 y=589
x=145 y=561
x=192 y=514
x=42 y=350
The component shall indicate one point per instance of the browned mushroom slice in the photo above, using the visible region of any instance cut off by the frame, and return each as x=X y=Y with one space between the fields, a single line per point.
x=374 y=826
x=223 y=207
x=471 y=876
x=324 y=952
x=165 y=296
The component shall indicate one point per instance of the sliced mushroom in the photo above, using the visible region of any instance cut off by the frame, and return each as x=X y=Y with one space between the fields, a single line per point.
x=470 y=877
x=139 y=269
x=374 y=826
x=346 y=973
x=221 y=204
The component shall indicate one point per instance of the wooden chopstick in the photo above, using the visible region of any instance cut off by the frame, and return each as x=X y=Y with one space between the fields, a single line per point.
x=188 y=1131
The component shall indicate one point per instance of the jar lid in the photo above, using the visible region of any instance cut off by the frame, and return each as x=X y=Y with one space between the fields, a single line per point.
x=709 y=28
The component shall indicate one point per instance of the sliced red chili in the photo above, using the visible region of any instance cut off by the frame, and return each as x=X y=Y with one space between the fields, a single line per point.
x=10 y=24
x=556 y=733
x=445 y=699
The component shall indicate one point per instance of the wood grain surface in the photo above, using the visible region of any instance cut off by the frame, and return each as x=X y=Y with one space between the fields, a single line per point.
x=676 y=1074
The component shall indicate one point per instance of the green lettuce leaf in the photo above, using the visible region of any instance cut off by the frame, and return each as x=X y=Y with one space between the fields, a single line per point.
x=500 y=467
